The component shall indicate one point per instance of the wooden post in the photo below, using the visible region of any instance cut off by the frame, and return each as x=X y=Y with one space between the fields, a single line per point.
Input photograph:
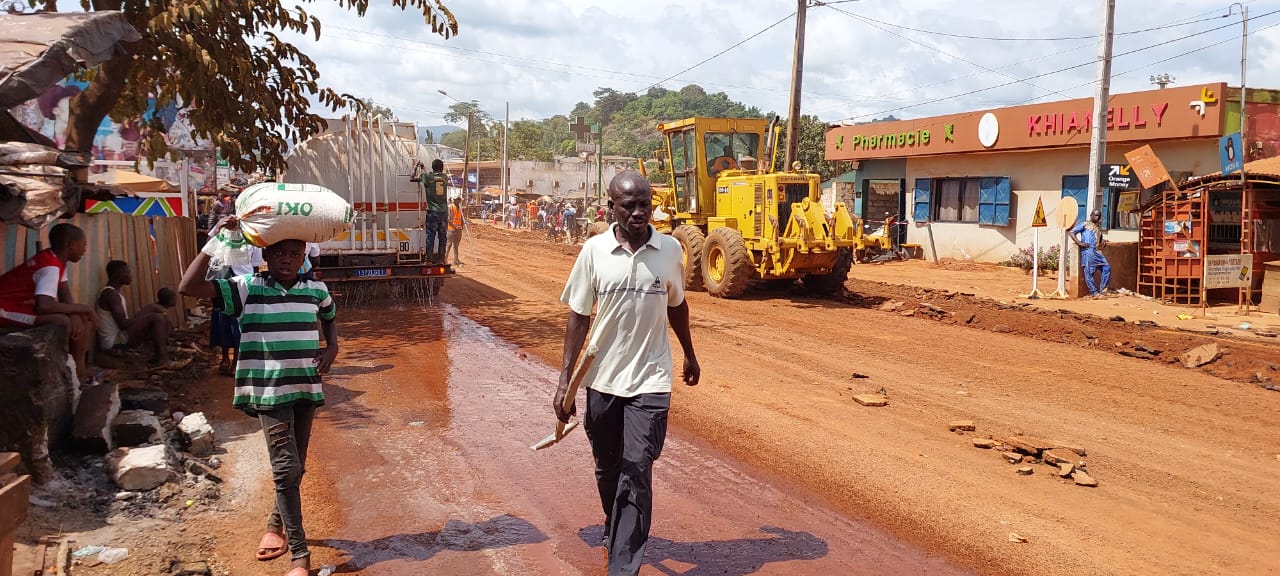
x=14 y=492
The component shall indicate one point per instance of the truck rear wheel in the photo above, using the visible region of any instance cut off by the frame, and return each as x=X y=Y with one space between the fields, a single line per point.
x=833 y=281
x=726 y=265
x=692 y=241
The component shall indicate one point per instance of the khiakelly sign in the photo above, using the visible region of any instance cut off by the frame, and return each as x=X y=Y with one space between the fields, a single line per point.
x=1152 y=115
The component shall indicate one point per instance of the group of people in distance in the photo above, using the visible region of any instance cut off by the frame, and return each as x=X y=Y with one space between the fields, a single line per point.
x=38 y=292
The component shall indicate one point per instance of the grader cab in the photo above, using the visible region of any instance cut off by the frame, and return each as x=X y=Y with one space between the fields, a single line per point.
x=741 y=222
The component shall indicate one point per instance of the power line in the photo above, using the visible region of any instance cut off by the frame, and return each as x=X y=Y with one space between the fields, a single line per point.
x=1091 y=82
x=941 y=51
x=1025 y=38
x=722 y=52
x=1189 y=20
x=1060 y=70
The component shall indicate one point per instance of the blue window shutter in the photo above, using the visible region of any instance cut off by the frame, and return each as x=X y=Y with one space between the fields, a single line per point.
x=1106 y=208
x=922 y=200
x=994 y=198
x=1077 y=187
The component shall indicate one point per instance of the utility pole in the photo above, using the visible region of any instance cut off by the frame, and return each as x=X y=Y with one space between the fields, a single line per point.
x=797 y=70
x=506 y=164
x=1098 y=134
x=1098 y=140
x=466 y=164
x=599 y=164
x=1244 y=112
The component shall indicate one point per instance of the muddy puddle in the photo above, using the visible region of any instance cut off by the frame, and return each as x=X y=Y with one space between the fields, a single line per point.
x=426 y=446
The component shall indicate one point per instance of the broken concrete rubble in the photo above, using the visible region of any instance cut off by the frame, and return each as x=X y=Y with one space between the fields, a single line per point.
x=143 y=468
x=136 y=427
x=1201 y=355
x=197 y=432
x=95 y=412
x=149 y=398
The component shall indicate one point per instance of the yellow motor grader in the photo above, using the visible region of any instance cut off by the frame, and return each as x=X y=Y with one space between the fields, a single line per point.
x=740 y=221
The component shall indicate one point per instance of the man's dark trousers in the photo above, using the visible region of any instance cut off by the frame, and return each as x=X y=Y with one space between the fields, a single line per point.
x=626 y=437
x=436 y=241
x=288 y=431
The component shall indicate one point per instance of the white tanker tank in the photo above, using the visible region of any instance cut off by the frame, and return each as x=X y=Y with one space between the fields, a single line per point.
x=369 y=161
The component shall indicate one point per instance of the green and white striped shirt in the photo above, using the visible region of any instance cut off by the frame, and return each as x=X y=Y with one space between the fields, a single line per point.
x=279 y=339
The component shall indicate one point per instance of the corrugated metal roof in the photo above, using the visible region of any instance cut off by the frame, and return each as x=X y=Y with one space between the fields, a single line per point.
x=1265 y=170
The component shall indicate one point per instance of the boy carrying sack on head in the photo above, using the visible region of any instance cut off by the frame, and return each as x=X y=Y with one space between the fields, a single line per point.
x=277 y=370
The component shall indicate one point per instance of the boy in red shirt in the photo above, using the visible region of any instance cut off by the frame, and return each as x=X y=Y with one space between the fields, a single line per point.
x=37 y=292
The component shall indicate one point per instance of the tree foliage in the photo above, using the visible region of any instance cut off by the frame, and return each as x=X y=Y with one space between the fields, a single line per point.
x=630 y=127
x=368 y=106
x=247 y=89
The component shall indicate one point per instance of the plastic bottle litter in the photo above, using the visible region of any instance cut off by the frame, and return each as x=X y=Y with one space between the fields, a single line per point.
x=327 y=570
x=113 y=555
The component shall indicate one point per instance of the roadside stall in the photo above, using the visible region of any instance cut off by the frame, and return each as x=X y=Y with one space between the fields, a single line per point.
x=1214 y=240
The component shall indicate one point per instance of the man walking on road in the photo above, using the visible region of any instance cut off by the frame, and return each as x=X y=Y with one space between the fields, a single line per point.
x=632 y=277
x=1088 y=236
x=435 y=188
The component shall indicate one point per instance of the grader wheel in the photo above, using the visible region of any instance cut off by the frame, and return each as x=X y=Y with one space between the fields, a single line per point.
x=726 y=265
x=691 y=240
x=833 y=281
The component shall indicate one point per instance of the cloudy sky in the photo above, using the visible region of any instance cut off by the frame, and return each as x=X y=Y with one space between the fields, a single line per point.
x=862 y=59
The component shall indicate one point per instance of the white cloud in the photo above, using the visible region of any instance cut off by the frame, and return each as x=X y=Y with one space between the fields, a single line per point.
x=543 y=57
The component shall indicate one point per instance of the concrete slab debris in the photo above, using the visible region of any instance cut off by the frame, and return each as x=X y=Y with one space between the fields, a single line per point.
x=144 y=468
x=1201 y=355
x=963 y=425
x=135 y=428
x=1026 y=471
x=1012 y=457
x=984 y=443
x=198 y=433
x=1083 y=479
x=97 y=410
x=873 y=400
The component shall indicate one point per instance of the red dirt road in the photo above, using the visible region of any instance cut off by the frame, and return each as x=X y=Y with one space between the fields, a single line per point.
x=421 y=461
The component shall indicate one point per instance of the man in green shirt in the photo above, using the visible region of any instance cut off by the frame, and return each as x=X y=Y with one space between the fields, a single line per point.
x=435 y=186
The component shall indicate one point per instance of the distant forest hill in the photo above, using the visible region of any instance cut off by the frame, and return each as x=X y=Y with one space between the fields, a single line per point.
x=630 y=126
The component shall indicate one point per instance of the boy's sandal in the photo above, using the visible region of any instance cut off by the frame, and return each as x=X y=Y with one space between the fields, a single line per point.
x=271 y=546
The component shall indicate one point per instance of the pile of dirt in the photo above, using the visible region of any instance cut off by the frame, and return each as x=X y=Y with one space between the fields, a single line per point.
x=961 y=265
x=1239 y=360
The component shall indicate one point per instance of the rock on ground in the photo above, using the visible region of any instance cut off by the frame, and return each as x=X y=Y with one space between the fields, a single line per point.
x=143 y=468
x=136 y=427
x=95 y=412
x=1201 y=355
x=196 y=430
x=147 y=398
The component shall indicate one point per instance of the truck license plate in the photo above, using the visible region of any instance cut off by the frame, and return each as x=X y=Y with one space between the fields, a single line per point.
x=372 y=272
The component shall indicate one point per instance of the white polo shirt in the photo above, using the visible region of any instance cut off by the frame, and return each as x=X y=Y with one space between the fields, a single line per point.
x=630 y=293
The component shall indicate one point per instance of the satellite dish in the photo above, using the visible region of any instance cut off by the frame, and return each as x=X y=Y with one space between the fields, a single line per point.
x=1067 y=213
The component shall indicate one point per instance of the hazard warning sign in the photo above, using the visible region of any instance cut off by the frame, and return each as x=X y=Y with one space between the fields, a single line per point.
x=1039 y=221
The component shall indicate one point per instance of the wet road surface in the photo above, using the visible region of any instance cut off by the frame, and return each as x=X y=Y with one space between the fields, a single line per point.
x=420 y=464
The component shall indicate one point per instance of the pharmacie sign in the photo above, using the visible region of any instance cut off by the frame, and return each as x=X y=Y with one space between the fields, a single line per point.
x=908 y=139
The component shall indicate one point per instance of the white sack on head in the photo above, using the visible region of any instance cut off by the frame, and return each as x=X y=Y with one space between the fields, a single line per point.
x=273 y=211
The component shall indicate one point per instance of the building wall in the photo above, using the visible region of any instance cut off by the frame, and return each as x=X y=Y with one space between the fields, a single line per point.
x=1032 y=174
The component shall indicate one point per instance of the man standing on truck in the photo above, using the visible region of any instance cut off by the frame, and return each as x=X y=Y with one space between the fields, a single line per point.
x=435 y=186
x=632 y=277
